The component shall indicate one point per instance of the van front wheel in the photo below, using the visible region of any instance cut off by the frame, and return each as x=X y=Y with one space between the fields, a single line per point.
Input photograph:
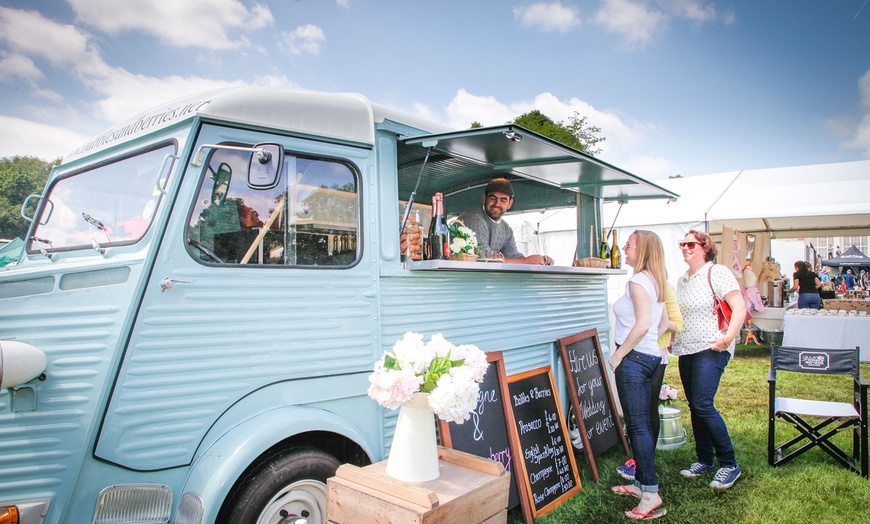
x=286 y=486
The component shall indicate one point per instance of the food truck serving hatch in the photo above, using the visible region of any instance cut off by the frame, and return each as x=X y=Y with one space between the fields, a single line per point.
x=464 y=161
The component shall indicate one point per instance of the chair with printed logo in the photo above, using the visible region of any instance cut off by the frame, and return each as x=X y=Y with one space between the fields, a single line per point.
x=818 y=422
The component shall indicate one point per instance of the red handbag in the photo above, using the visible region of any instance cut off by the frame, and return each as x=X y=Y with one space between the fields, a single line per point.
x=721 y=309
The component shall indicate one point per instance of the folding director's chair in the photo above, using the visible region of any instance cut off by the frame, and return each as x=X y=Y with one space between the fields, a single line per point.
x=834 y=416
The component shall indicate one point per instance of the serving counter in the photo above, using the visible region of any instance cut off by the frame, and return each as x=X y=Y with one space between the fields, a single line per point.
x=456 y=265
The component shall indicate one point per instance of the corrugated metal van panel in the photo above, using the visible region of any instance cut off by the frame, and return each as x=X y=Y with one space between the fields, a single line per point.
x=40 y=450
x=499 y=311
x=520 y=314
x=222 y=333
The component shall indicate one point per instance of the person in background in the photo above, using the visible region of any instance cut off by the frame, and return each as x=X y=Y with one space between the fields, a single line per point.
x=639 y=315
x=705 y=351
x=865 y=279
x=807 y=284
x=849 y=280
x=673 y=325
x=825 y=276
x=494 y=234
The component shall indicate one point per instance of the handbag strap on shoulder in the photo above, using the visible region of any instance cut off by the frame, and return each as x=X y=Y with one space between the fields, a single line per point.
x=710 y=283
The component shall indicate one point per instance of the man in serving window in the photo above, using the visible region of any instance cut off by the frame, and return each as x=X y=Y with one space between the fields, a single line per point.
x=493 y=233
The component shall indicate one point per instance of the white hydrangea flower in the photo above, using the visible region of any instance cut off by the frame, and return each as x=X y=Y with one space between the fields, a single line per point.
x=440 y=346
x=393 y=387
x=474 y=358
x=469 y=233
x=455 y=395
x=411 y=352
x=458 y=245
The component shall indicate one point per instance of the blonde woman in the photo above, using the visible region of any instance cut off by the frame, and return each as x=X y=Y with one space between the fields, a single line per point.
x=640 y=314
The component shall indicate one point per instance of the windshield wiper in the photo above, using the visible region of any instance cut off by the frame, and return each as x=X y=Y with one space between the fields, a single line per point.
x=99 y=225
x=42 y=250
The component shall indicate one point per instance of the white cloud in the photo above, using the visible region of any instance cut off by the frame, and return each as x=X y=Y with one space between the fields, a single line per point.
x=31 y=34
x=625 y=141
x=342 y=3
x=861 y=138
x=119 y=94
x=204 y=23
x=14 y=67
x=640 y=22
x=305 y=39
x=690 y=9
x=25 y=138
x=636 y=22
x=548 y=16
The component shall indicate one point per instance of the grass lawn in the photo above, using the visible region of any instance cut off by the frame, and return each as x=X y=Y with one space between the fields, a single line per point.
x=812 y=489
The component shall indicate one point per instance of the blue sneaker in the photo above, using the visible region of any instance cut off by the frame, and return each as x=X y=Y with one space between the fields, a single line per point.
x=697 y=469
x=627 y=470
x=725 y=477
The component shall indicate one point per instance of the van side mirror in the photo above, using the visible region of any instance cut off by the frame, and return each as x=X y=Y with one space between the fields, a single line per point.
x=221 y=187
x=264 y=169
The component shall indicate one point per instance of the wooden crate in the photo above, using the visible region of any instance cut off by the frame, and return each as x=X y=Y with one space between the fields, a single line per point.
x=469 y=489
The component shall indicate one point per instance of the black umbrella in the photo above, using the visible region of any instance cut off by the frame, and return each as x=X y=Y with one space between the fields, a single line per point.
x=851 y=257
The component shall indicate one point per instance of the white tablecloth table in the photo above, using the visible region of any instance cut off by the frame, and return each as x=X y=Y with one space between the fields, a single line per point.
x=828 y=332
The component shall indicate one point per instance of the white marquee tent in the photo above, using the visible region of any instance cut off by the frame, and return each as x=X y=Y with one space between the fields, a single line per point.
x=786 y=202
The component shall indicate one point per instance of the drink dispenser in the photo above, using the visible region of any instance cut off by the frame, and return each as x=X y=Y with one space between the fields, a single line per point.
x=777 y=292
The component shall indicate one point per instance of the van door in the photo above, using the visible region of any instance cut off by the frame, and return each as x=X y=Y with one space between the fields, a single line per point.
x=256 y=282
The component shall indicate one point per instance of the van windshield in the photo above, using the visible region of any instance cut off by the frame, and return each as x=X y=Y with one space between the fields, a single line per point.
x=112 y=204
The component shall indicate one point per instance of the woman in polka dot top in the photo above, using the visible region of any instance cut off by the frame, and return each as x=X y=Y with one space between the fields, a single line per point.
x=704 y=351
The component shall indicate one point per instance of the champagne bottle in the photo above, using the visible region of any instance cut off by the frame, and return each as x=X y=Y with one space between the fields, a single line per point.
x=615 y=254
x=604 y=252
x=439 y=235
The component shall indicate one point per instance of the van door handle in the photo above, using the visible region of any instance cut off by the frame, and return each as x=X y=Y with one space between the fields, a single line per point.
x=168 y=282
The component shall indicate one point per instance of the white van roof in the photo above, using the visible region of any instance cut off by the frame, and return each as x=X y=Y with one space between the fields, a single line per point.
x=347 y=117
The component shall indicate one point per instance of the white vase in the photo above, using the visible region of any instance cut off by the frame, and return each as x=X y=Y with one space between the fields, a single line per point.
x=414 y=452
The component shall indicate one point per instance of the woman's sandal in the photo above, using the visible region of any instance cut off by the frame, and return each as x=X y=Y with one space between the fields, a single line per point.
x=654 y=513
x=624 y=490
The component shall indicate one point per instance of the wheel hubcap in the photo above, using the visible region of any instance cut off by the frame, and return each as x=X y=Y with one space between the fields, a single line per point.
x=298 y=503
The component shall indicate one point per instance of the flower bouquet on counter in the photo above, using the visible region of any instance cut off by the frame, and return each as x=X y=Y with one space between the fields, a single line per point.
x=667 y=394
x=450 y=374
x=463 y=241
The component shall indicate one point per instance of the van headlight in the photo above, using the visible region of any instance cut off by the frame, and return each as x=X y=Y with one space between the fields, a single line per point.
x=134 y=503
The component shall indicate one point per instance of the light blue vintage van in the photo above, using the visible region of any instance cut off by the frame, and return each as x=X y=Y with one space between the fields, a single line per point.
x=189 y=332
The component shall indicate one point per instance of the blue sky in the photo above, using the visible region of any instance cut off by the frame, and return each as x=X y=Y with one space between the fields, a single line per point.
x=684 y=87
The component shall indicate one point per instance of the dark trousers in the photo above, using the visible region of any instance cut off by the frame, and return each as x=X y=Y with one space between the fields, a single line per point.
x=700 y=373
x=658 y=379
x=634 y=382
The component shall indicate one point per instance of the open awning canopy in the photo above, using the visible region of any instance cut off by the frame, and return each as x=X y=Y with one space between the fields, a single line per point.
x=545 y=174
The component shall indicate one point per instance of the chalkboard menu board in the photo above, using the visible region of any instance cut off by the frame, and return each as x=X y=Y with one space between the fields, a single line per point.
x=590 y=395
x=487 y=433
x=546 y=455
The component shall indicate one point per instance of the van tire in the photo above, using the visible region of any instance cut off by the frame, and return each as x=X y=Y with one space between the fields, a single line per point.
x=282 y=484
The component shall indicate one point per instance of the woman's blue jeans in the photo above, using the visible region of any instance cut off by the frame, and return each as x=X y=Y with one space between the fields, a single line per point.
x=700 y=374
x=809 y=300
x=634 y=383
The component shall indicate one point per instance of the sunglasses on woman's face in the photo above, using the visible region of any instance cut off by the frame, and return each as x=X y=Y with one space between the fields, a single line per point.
x=690 y=245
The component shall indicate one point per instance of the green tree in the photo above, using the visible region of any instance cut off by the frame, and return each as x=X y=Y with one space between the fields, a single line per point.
x=20 y=176
x=577 y=133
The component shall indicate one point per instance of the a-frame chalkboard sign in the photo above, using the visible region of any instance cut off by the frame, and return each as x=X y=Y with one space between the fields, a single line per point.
x=489 y=433
x=546 y=454
x=590 y=395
